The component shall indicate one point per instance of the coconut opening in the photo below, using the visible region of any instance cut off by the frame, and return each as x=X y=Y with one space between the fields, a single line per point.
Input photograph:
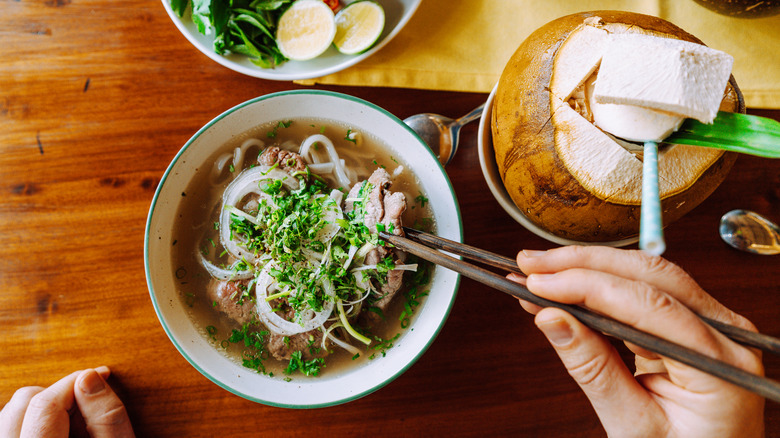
x=609 y=168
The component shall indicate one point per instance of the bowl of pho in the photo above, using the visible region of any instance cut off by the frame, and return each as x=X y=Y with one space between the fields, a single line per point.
x=262 y=254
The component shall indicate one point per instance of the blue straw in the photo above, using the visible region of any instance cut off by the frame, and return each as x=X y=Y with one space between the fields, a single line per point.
x=651 y=233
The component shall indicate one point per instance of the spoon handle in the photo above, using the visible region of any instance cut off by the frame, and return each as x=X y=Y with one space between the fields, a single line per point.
x=473 y=115
x=651 y=234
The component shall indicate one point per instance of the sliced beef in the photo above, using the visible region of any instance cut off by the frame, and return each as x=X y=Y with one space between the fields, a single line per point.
x=382 y=206
x=308 y=343
x=385 y=207
x=227 y=296
x=288 y=161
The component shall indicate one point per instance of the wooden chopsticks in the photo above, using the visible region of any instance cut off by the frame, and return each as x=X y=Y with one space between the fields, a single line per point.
x=426 y=246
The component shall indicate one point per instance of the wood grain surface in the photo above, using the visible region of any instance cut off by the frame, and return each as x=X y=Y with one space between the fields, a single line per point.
x=96 y=98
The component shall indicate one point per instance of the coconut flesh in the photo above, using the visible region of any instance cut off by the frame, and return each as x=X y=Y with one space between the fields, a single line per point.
x=597 y=161
x=602 y=165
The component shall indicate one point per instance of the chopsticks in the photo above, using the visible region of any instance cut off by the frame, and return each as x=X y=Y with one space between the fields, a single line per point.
x=421 y=244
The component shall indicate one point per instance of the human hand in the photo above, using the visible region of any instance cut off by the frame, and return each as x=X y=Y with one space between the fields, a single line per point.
x=664 y=397
x=35 y=411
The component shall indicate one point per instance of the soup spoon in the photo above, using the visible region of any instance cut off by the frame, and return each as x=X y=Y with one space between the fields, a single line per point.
x=441 y=133
x=751 y=232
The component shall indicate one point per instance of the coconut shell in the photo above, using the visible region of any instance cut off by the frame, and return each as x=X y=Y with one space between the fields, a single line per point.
x=524 y=142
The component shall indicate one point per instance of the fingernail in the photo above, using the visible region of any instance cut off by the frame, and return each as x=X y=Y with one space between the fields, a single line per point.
x=91 y=382
x=537 y=278
x=557 y=331
x=533 y=253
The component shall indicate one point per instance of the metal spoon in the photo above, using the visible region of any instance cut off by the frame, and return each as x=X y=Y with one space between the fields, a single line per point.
x=441 y=133
x=748 y=231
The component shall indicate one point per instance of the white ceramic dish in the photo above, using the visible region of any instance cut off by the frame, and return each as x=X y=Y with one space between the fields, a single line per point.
x=487 y=161
x=327 y=389
x=397 y=14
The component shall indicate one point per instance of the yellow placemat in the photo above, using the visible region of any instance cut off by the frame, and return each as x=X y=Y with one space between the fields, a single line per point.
x=463 y=45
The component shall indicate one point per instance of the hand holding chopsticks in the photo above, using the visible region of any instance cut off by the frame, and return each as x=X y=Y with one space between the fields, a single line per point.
x=599 y=322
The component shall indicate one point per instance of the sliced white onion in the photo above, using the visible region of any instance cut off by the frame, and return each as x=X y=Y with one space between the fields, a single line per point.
x=224 y=274
x=365 y=286
x=352 y=350
x=331 y=212
x=350 y=255
x=277 y=324
x=365 y=249
x=248 y=182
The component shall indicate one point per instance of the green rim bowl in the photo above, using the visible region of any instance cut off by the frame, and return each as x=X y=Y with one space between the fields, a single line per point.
x=327 y=389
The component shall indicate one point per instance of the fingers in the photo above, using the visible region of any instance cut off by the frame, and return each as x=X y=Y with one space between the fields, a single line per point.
x=598 y=370
x=633 y=265
x=41 y=412
x=529 y=307
x=103 y=412
x=47 y=414
x=645 y=307
x=13 y=413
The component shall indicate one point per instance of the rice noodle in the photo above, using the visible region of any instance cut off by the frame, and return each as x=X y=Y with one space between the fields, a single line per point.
x=239 y=153
x=321 y=168
x=338 y=169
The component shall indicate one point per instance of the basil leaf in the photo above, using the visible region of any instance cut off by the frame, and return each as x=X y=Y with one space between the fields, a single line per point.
x=220 y=14
x=179 y=6
x=201 y=10
x=268 y=5
x=253 y=19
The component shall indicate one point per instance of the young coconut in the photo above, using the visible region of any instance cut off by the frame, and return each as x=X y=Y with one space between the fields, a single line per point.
x=564 y=173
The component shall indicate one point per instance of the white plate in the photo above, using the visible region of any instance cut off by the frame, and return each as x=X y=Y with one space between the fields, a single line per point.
x=487 y=161
x=397 y=14
x=328 y=389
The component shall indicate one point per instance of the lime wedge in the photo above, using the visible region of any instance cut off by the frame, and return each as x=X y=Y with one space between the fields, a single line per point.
x=358 y=26
x=305 y=30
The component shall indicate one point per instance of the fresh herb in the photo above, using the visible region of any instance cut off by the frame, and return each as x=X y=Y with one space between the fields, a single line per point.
x=307 y=367
x=351 y=136
x=274 y=132
x=415 y=289
x=421 y=199
x=212 y=331
x=382 y=345
x=246 y=27
x=254 y=341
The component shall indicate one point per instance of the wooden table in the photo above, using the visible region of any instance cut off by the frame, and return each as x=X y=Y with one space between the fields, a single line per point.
x=96 y=98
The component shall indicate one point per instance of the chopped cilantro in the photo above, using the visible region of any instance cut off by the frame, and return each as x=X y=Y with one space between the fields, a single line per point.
x=307 y=367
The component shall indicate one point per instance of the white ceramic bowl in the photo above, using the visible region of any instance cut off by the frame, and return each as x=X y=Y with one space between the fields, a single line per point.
x=397 y=14
x=327 y=389
x=487 y=161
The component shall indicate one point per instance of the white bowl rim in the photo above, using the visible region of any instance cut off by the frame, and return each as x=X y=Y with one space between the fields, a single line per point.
x=272 y=74
x=388 y=379
x=487 y=163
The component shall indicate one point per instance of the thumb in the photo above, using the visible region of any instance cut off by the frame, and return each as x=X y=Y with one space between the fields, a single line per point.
x=597 y=368
x=103 y=412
